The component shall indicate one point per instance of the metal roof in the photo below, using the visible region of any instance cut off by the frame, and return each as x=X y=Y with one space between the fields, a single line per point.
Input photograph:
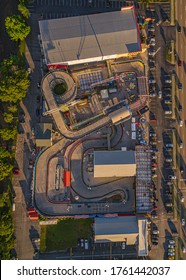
x=116 y=229
x=114 y=157
x=89 y=36
x=114 y=163
x=43 y=134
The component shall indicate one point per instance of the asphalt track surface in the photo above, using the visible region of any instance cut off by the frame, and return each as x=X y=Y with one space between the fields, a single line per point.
x=78 y=186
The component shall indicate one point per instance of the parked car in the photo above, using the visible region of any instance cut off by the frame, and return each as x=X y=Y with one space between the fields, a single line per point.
x=172 y=177
x=154 y=214
x=153 y=142
x=38 y=99
x=168 y=81
x=152 y=65
x=152 y=134
x=151 y=28
x=181 y=145
x=123 y=245
x=152 y=94
x=82 y=243
x=152 y=81
x=33 y=131
x=154 y=150
x=181 y=197
x=167 y=100
x=168 y=112
x=180 y=86
x=16 y=171
x=86 y=244
x=180 y=123
x=37 y=112
x=179 y=28
x=169 y=183
x=168 y=149
x=155 y=231
x=167 y=145
x=160 y=94
x=183 y=222
x=171 y=253
x=144 y=110
x=181 y=170
x=180 y=108
x=179 y=63
x=168 y=159
x=171 y=241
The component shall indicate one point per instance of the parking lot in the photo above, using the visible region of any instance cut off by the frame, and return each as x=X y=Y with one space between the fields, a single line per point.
x=50 y=9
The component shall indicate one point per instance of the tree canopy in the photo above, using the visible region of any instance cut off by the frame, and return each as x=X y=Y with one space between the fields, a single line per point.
x=5 y=165
x=16 y=28
x=23 y=10
x=8 y=133
x=14 y=81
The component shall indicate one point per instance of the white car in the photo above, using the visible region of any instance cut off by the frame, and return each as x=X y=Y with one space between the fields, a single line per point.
x=180 y=123
x=181 y=197
x=171 y=253
x=123 y=245
x=172 y=177
x=168 y=81
x=183 y=222
x=181 y=145
x=184 y=250
x=171 y=246
x=152 y=42
x=86 y=244
x=152 y=81
x=155 y=231
x=172 y=241
x=160 y=94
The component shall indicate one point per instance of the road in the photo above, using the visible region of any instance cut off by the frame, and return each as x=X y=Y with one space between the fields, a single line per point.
x=181 y=72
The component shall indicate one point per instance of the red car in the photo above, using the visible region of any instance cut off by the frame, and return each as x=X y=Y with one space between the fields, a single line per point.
x=153 y=119
x=179 y=63
x=16 y=171
x=154 y=164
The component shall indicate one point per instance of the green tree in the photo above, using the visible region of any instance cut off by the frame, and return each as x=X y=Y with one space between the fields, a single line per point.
x=16 y=28
x=5 y=165
x=8 y=117
x=6 y=229
x=23 y=10
x=12 y=108
x=13 y=87
x=8 y=133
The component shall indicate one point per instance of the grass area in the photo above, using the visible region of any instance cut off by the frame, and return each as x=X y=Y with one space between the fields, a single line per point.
x=65 y=234
x=60 y=88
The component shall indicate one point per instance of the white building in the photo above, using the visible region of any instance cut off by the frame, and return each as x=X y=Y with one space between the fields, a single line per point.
x=114 y=164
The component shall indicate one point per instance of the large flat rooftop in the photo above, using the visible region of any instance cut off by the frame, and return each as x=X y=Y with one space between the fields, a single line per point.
x=97 y=36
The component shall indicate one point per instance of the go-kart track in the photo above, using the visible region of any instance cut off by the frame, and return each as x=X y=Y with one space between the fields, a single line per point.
x=79 y=198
